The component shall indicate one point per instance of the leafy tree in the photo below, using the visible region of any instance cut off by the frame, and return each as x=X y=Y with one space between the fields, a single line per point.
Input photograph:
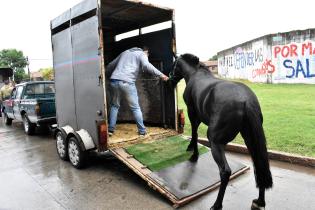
x=214 y=58
x=14 y=59
x=47 y=73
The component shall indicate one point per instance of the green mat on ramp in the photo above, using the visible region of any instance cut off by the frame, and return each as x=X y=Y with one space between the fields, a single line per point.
x=163 y=153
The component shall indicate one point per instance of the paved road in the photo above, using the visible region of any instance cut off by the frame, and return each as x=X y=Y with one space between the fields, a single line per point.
x=33 y=177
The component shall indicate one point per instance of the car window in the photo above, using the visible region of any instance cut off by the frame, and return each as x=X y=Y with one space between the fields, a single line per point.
x=19 y=91
x=39 y=90
x=29 y=92
x=49 y=88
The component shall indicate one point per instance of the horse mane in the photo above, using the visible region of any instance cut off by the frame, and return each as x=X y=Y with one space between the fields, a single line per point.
x=191 y=59
x=194 y=61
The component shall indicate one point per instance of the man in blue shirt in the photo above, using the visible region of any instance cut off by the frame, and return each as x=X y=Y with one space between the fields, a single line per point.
x=123 y=72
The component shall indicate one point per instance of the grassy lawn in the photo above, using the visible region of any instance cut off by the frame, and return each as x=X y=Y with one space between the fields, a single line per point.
x=289 y=116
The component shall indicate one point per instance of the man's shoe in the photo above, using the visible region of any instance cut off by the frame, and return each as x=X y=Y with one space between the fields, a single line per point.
x=110 y=133
x=142 y=135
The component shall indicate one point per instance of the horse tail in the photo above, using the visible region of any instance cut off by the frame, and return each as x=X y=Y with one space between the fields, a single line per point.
x=255 y=141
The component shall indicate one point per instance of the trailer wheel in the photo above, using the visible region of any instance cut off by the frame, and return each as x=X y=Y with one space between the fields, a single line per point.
x=6 y=119
x=29 y=127
x=61 y=146
x=76 y=155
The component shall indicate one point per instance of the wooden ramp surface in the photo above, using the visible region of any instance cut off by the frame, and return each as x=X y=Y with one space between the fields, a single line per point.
x=187 y=178
x=183 y=182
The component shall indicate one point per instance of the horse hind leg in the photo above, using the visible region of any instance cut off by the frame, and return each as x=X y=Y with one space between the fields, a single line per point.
x=218 y=138
x=218 y=155
x=193 y=145
x=259 y=203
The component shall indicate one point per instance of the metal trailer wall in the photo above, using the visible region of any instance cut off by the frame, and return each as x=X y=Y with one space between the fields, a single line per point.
x=77 y=61
x=276 y=58
x=63 y=70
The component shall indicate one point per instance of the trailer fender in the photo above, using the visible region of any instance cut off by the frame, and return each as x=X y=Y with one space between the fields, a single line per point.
x=68 y=129
x=65 y=130
x=86 y=139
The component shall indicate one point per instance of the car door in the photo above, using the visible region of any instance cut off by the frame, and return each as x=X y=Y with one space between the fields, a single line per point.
x=9 y=104
x=17 y=103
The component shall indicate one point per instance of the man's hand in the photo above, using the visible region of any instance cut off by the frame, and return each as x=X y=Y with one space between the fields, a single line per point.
x=164 y=77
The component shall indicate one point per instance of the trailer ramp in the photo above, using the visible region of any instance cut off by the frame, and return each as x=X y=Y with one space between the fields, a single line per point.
x=182 y=182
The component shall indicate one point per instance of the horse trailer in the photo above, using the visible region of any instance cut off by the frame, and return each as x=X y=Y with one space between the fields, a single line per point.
x=85 y=38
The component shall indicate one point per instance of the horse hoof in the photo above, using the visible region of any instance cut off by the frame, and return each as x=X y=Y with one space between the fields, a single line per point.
x=255 y=206
x=193 y=158
x=216 y=208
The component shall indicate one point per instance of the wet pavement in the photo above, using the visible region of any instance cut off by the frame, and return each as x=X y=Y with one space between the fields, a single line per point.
x=33 y=177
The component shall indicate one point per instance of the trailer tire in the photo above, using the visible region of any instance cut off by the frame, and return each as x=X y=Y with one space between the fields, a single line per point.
x=29 y=127
x=75 y=153
x=6 y=119
x=61 y=146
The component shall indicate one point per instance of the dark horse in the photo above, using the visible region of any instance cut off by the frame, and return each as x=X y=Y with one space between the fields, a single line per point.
x=227 y=108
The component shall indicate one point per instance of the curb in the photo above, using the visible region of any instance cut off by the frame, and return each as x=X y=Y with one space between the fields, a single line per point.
x=273 y=155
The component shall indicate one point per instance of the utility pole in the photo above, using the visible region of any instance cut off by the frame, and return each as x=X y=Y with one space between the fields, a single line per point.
x=28 y=69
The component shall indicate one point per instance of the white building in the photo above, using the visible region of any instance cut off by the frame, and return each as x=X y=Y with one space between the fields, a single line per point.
x=275 y=58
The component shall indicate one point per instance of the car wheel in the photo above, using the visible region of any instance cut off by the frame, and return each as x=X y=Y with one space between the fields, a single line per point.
x=29 y=127
x=6 y=119
x=61 y=146
x=76 y=155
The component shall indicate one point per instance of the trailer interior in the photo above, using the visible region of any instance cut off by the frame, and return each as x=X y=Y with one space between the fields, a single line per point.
x=131 y=20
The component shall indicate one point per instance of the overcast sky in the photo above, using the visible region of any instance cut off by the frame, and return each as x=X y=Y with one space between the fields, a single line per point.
x=203 y=27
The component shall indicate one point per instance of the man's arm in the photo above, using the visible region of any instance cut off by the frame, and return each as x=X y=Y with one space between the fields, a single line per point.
x=111 y=67
x=146 y=65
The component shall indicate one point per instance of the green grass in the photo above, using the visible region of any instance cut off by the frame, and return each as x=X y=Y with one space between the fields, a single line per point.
x=289 y=116
x=162 y=154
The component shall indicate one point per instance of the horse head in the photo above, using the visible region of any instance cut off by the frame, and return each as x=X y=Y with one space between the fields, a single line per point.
x=183 y=65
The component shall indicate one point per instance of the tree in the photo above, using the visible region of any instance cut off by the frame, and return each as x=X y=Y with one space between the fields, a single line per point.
x=14 y=59
x=47 y=73
x=214 y=58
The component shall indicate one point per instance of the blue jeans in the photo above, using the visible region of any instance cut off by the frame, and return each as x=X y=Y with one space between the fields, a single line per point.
x=121 y=89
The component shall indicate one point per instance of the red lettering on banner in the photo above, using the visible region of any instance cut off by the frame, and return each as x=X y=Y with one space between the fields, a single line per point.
x=285 y=51
x=305 y=47
x=267 y=67
x=277 y=50
x=293 y=48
